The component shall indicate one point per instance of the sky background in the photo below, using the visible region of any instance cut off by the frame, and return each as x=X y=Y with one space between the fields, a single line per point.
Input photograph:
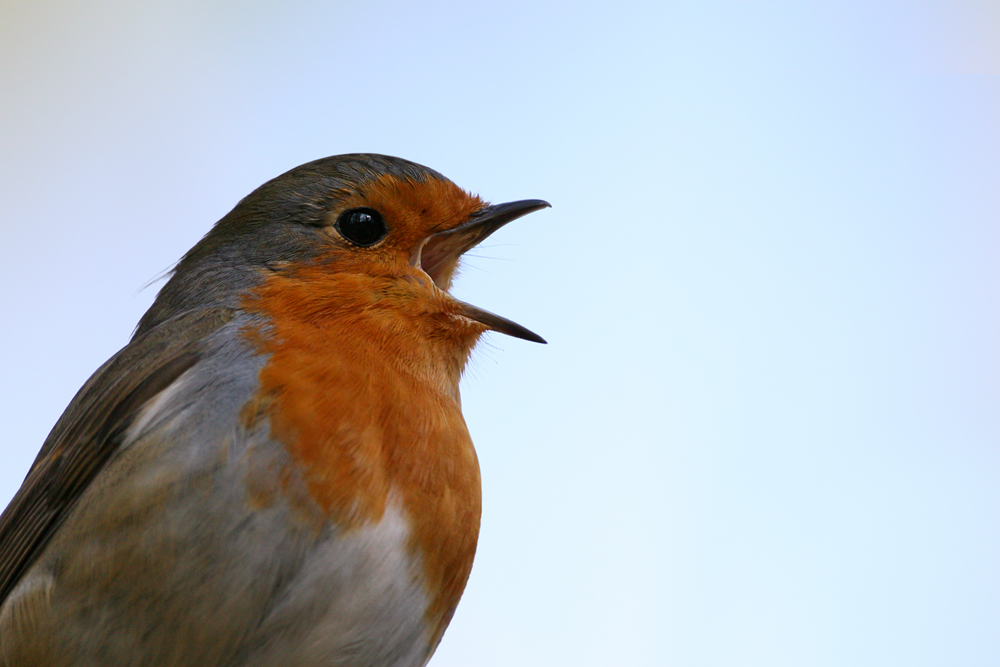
x=765 y=430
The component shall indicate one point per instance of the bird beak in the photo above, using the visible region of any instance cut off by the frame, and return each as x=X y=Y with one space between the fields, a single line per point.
x=439 y=255
x=497 y=323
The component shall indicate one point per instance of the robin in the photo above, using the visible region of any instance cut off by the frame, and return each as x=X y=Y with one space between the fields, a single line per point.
x=275 y=470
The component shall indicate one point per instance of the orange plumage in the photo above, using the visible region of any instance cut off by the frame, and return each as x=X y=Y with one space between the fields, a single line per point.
x=362 y=387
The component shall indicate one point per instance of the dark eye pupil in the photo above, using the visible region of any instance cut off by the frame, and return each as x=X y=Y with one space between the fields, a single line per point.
x=362 y=226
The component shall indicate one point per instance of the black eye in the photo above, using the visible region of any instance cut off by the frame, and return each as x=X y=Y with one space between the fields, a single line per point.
x=362 y=226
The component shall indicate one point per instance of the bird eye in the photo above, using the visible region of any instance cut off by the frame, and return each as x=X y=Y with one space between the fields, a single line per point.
x=362 y=226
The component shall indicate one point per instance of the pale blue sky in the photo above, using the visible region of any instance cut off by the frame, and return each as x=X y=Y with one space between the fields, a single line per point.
x=766 y=428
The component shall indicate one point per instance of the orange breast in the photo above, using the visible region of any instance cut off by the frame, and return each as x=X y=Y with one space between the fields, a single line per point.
x=362 y=388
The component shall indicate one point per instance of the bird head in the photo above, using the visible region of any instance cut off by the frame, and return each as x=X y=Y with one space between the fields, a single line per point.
x=370 y=224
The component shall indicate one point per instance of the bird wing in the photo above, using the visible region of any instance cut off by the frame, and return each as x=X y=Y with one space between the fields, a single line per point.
x=91 y=430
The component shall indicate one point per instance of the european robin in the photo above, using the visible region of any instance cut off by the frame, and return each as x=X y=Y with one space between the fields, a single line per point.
x=275 y=470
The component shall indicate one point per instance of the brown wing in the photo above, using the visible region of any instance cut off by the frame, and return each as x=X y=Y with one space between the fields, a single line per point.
x=90 y=431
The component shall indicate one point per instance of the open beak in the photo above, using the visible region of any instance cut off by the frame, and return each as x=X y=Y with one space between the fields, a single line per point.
x=439 y=256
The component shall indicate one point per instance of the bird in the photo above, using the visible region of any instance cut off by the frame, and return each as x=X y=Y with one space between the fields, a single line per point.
x=275 y=470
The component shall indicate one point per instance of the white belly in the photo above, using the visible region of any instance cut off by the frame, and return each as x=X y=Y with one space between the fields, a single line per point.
x=357 y=601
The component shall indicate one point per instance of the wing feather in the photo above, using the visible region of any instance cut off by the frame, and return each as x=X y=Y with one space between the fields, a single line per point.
x=90 y=431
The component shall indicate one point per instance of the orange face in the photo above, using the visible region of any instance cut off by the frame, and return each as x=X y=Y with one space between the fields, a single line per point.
x=412 y=212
